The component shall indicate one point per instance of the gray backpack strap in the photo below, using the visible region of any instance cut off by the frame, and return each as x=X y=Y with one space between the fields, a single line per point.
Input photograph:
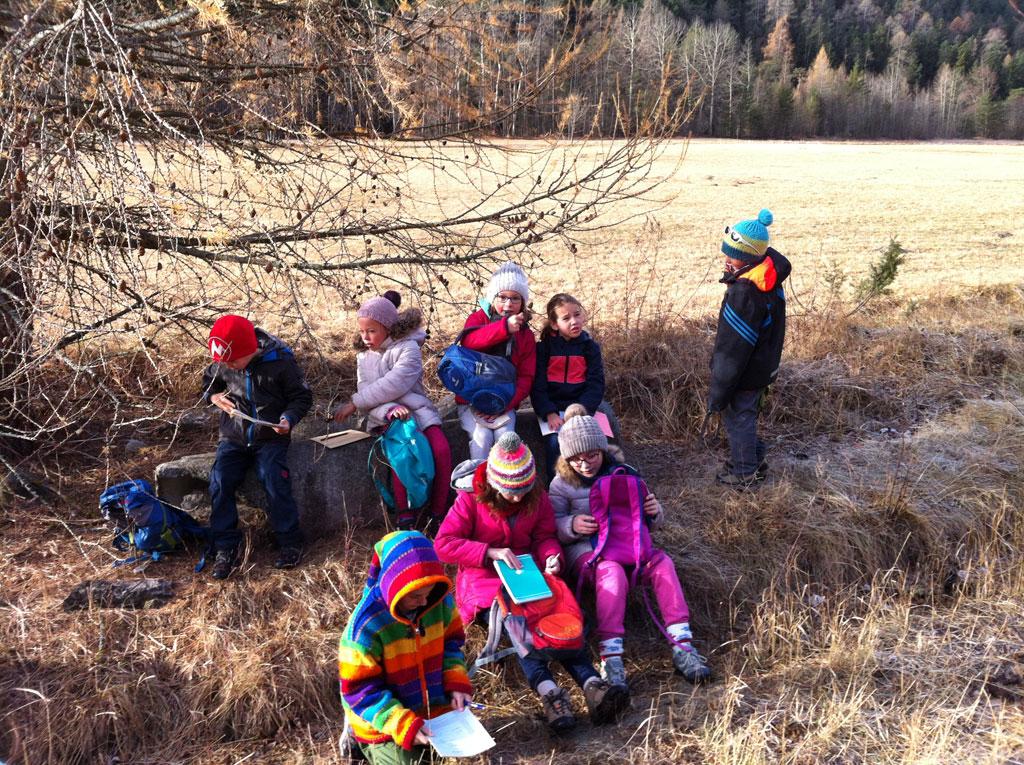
x=490 y=653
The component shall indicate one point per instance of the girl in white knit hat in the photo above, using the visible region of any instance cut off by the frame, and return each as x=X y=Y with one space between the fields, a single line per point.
x=500 y=328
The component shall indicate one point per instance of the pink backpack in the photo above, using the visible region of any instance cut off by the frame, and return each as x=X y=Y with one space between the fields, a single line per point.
x=617 y=504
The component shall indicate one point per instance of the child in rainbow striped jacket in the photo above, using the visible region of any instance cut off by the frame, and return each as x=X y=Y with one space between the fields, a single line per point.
x=400 y=658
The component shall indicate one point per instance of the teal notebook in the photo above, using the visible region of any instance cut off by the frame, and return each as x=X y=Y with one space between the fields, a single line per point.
x=525 y=585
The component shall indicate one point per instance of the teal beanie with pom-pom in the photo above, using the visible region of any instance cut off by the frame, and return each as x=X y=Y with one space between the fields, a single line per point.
x=748 y=239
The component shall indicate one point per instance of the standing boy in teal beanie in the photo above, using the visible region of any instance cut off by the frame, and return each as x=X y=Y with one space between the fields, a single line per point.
x=748 y=346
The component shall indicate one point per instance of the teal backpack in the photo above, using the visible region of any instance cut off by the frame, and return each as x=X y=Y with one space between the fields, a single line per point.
x=405 y=450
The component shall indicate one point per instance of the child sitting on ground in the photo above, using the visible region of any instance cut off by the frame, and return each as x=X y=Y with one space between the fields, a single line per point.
x=400 y=658
x=569 y=369
x=508 y=514
x=585 y=459
x=390 y=385
x=500 y=322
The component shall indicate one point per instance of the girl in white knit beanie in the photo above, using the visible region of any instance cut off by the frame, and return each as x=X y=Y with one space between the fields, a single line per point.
x=500 y=328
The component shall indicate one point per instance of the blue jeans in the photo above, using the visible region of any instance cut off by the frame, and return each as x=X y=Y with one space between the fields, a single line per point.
x=746 y=450
x=271 y=461
x=578 y=667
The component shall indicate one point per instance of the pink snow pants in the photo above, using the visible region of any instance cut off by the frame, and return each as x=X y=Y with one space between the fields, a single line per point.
x=611 y=586
x=442 y=475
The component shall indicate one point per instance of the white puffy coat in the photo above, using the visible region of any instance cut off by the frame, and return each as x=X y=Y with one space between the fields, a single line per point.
x=393 y=376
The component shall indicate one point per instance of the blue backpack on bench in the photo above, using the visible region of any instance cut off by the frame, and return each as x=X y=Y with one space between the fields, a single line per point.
x=487 y=382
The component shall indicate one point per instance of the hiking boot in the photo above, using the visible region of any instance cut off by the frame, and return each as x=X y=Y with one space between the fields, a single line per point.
x=761 y=471
x=690 y=665
x=558 y=710
x=605 y=701
x=225 y=562
x=741 y=482
x=288 y=557
x=614 y=672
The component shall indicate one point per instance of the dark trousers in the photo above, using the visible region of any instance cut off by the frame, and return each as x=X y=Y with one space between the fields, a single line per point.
x=551 y=453
x=271 y=461
x=746 y=450
x=578 y=667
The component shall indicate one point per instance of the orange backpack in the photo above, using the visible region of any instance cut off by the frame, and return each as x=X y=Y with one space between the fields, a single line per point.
x=548 y=629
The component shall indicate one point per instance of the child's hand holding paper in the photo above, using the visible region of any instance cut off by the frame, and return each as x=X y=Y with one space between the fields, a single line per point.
x=422 y=737
x=458 y=734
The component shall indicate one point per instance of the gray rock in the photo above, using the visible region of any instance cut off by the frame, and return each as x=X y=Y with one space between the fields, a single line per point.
x=196 y=504
x=28 y=486
x=134 y=446
x=332 y=487
x=103 y=593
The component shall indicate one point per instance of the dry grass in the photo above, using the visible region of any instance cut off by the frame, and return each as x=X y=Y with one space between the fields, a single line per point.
x=864 y=606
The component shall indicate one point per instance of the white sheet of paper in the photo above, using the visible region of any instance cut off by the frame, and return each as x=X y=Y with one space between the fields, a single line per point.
x=458 y=734
x=500 y=420
x=243 y=416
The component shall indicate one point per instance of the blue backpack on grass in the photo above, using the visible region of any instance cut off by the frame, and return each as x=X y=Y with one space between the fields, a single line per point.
x=144 y=524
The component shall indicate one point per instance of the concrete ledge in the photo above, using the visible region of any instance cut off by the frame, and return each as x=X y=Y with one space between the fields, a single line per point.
x=332 y=487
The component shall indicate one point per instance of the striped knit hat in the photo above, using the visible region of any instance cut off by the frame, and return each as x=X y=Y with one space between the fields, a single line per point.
x=405 y=561
x=748 y=239
x=510 y=465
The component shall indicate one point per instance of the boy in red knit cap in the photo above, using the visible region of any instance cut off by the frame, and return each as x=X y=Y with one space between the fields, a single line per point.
x=254 y=373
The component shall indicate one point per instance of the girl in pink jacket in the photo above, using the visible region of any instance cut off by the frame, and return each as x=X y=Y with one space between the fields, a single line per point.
x=389 y=373
x=500 y=328
x=508 y=513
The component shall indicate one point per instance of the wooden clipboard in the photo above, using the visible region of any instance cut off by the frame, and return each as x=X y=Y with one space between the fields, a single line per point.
x=341 y=438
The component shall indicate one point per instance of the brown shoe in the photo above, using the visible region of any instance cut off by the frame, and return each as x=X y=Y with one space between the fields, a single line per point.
x=558 y=710
x=605 y=701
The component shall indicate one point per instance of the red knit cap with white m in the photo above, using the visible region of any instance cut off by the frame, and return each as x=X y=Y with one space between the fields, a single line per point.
x=232 y=337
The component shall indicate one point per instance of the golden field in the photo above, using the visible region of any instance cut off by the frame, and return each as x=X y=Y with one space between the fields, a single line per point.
x=864 y=606
x=956 y=207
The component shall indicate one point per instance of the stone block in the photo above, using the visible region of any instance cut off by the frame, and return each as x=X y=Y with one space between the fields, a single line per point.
x=332 y=487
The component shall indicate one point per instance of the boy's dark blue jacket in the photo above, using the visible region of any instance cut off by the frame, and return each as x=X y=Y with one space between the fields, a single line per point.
x=568 y=372
x=271 y=386
x=751 y=329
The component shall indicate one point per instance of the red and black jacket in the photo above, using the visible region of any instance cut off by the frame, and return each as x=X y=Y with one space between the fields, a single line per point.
x=568 y=372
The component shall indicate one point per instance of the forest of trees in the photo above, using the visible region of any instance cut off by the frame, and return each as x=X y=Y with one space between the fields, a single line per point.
x=901 y=69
